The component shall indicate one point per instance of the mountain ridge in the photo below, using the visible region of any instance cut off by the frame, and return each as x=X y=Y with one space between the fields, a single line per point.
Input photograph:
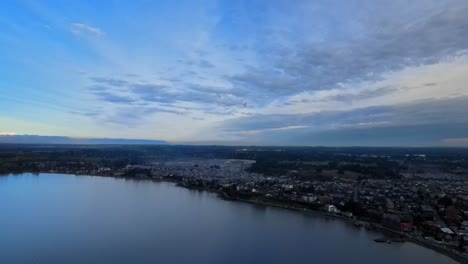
x=36 y=139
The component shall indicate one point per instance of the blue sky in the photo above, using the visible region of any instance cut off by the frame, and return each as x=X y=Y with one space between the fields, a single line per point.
x=322 y=72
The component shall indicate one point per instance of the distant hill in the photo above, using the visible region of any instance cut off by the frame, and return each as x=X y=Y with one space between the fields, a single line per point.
x=34 y=139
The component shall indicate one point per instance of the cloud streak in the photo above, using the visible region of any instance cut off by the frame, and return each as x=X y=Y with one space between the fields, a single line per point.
x=80 y=29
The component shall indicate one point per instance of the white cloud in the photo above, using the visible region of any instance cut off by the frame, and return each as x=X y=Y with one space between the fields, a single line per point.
x=7 y=133
x=79 y=28
x=445 y=79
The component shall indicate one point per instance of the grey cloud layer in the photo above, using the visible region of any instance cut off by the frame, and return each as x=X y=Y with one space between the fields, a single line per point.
x=350 y=97
x=110 y=81
x=319 y=52
x=331 y=45
x=384 y=38
x=367 y=94
x=142 y=99
x=113 y=98
x=104 y=89
x=446 y=118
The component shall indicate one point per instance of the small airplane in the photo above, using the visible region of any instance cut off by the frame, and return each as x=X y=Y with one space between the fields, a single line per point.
x=245 y=104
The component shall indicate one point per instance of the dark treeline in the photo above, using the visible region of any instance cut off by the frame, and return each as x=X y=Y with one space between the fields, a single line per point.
x=274 y=161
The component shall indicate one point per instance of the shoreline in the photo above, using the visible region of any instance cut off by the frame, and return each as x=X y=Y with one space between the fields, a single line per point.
x=221 y=195
x=375 y=226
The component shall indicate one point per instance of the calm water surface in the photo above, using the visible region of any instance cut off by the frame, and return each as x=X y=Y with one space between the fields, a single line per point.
x=83 y=219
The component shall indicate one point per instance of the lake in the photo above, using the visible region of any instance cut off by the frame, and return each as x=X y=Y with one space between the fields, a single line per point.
x=53 y=218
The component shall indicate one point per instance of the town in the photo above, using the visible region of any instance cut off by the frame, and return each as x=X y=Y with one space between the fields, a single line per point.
x=407 y=193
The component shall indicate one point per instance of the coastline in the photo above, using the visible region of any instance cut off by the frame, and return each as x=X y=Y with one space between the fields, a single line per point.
x=377 y=227
x=374 y=226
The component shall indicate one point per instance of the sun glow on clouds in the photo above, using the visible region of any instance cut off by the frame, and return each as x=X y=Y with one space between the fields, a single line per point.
x=456 y=142
x=260 y=131
x=7 y=133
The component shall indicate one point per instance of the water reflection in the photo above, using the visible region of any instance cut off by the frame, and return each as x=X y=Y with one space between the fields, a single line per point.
x=83 y=219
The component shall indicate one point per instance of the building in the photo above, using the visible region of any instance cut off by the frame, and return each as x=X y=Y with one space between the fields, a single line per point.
x=427 y=213
x=392 y=221
x=331 y=209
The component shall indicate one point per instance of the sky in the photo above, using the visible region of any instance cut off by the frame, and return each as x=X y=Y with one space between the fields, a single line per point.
x=315 y=73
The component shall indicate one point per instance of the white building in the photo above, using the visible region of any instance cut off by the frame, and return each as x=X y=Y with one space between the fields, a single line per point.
x=330 y=208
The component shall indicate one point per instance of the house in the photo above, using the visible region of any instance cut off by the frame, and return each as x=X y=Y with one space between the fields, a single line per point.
x=406 y=227
x=451 y=214
x=427 y=213
x=392 y=221
x=348 y=214
x=331 y=209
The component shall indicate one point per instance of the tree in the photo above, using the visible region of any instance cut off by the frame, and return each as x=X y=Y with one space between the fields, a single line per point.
x=445 y=201
x=355 y=208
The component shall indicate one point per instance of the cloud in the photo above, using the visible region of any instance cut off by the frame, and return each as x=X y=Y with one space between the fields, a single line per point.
x=319 y=120
x=133 y=116
x=268 y=82
x=166 y=93
x=114 y=98
x=261 y=131
x=91 y=114
x=221 y=112
x=110 y=81
x=361 y=47
x=212 y=89
x=404 y=135
x=97 y=88
x=446 y=117
x=314 y=69
x=126 y=117
x=131 y=75
x=152 y=110
x=206 y=64
x=153 y=93
x=455 y=142
x=163 y=93
x=7 y=133
x=362 y=95
x=136 y=101
x=348 y=96
x=79 y=29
